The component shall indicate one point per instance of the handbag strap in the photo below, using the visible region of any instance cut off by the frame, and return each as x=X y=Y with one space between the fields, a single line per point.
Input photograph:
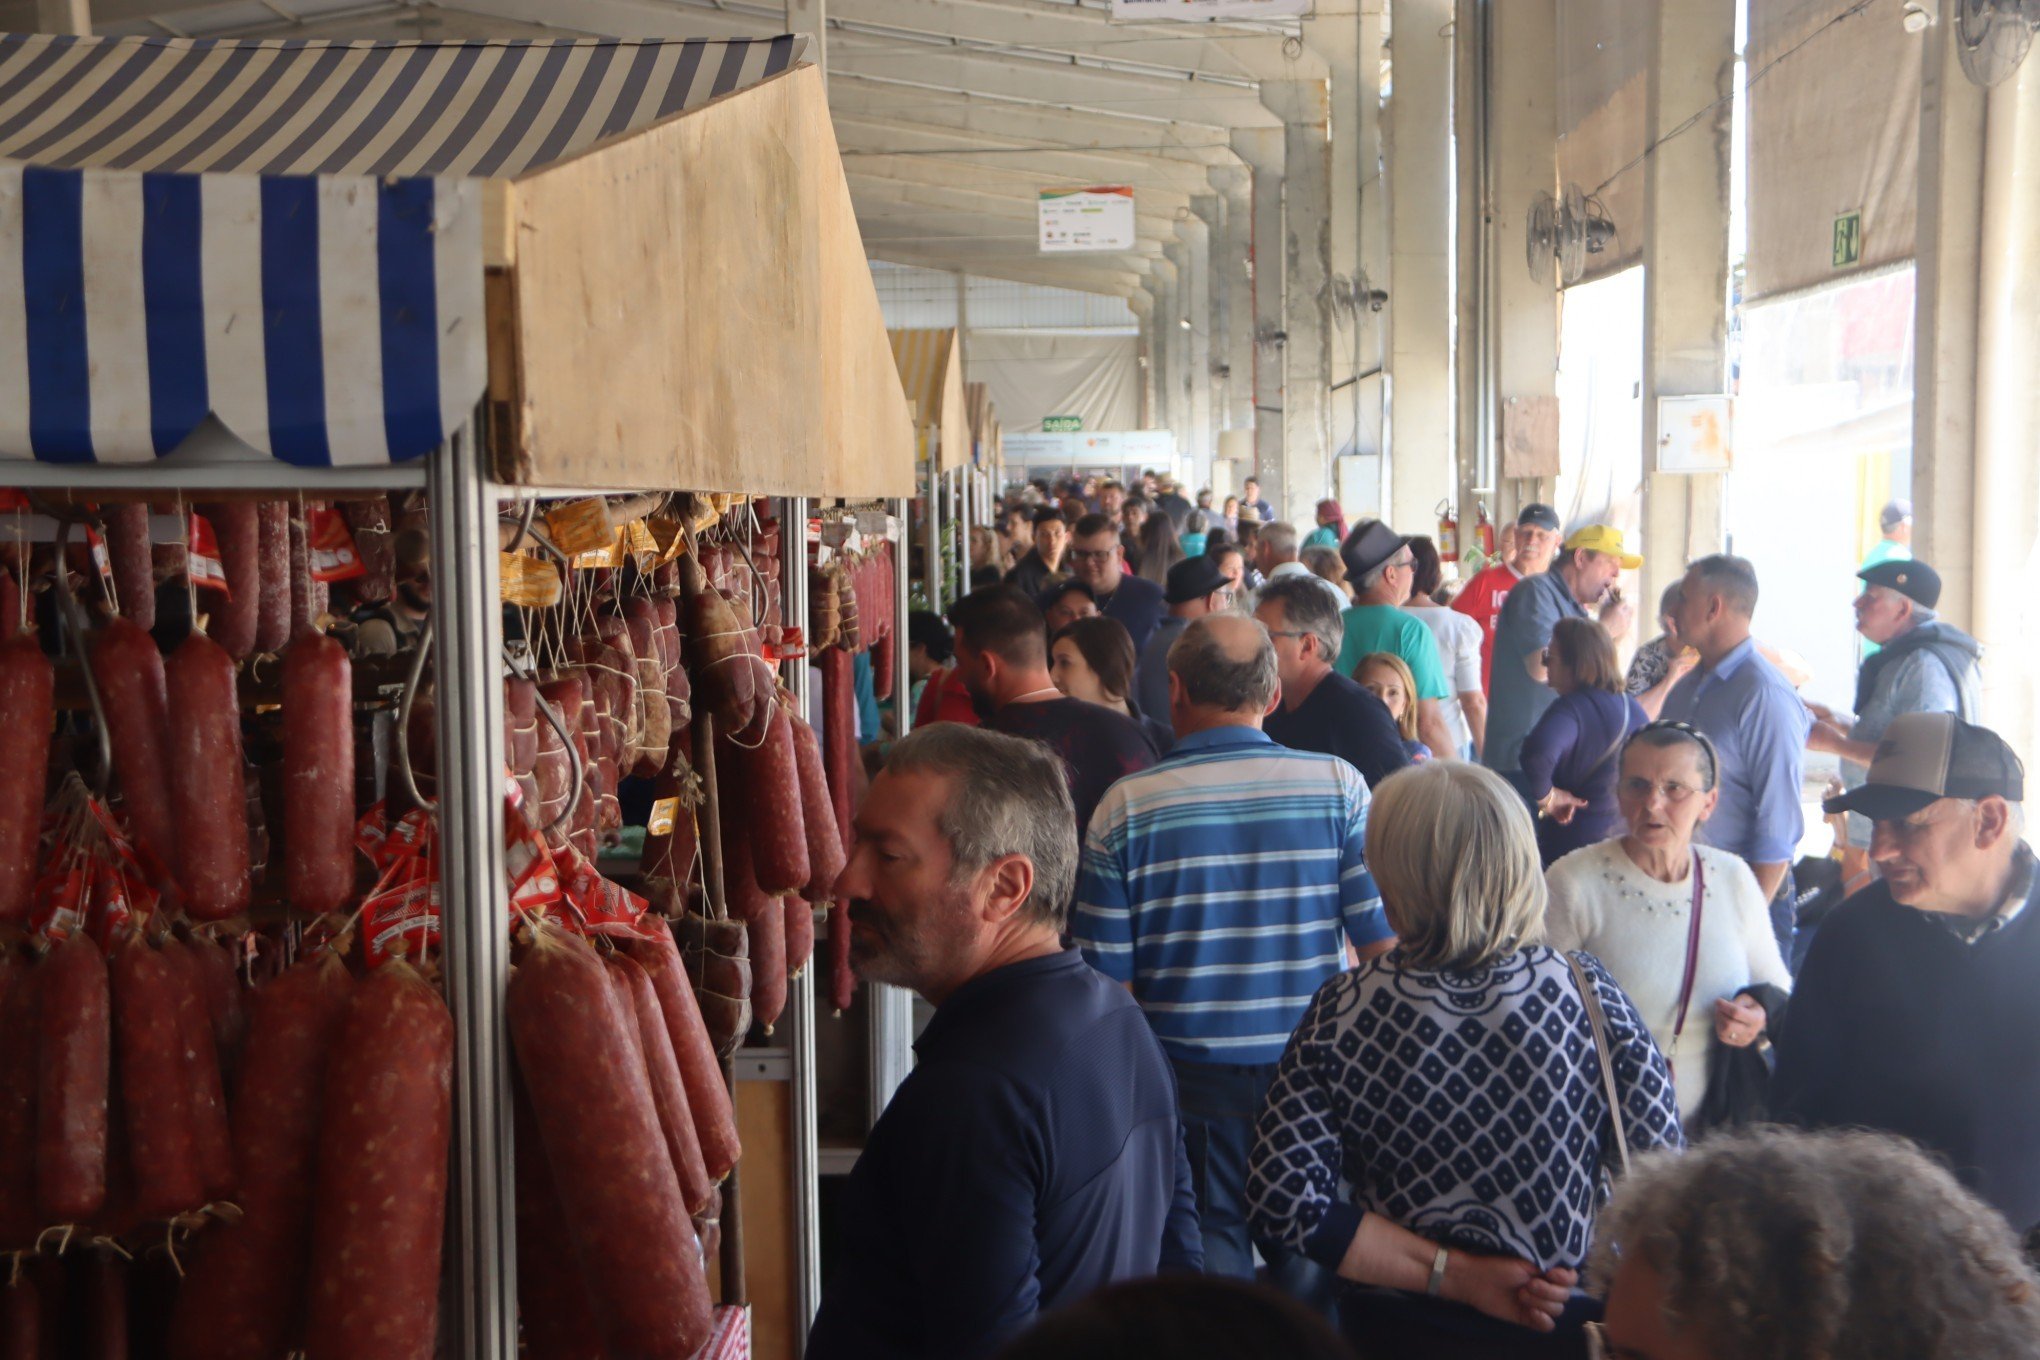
x=1614 y=747
x=1692 y=954
x=1598 y=1023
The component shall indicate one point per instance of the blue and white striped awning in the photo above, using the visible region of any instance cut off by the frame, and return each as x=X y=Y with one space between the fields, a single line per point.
x=283 y=235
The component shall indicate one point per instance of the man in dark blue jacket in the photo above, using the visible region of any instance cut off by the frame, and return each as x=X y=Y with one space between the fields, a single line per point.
x=1918 y=1010
x=1035 y=1153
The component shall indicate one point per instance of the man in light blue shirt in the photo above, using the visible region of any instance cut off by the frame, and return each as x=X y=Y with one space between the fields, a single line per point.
x=1756 y=720
x=1223 y=886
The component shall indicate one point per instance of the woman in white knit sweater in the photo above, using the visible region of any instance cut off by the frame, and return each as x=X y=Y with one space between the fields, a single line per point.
x=1630 y=903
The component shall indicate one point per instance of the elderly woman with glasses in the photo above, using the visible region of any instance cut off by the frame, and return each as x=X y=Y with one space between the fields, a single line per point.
x=1683 y=927
x=1440 y=1131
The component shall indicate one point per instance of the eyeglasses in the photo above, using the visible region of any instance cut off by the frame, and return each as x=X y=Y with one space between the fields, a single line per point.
x=1641 y=789
x=1091 y=554
x=1289 y=632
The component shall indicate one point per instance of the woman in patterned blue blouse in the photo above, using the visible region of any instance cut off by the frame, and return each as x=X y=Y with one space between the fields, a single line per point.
x=1438 y=1131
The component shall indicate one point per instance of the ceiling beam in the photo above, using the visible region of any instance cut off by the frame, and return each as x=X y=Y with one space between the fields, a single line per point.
x=978 y=116
x=1191 y=103
x=1010 y=180
x=1111 y=282
x=862 y=136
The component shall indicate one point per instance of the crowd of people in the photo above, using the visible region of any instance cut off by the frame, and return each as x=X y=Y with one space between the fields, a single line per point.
x=1327 y=961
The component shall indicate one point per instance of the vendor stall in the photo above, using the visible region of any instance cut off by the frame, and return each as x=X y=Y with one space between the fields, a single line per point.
x=278 y=277
x=931 y=373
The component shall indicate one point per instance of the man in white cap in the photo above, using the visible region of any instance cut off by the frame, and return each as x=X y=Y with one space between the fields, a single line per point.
x=1918 y=1009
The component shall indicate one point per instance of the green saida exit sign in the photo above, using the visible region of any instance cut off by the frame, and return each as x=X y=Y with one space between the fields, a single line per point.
x=1062 y=424
x=1848 y=240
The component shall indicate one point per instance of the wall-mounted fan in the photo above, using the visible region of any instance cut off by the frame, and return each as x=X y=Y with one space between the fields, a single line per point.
x=1563 y=230
x=1992 y=36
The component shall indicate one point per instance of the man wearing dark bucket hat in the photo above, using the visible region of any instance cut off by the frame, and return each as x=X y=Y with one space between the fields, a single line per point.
x=1918 y=1009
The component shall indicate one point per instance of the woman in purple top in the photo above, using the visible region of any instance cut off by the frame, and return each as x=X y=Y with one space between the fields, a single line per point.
x=1572 y=756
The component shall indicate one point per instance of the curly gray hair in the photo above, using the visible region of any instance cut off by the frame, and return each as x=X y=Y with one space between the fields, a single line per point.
x=1796 y=1246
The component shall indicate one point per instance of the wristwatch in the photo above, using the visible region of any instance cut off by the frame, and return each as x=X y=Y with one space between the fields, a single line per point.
x=1438 y=1272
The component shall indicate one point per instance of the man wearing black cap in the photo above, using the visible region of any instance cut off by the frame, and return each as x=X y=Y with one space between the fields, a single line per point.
x=1918 y=664
x=1537 y=533
x=1196 y=587
x=1918 y=1009
x=1382 y=569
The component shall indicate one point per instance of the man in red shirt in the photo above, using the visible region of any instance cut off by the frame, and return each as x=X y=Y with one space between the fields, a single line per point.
x=1536 y=540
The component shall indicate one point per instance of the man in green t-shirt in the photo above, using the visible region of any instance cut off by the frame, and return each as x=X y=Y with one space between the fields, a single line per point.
x=1895 y=521
x=1380 y=567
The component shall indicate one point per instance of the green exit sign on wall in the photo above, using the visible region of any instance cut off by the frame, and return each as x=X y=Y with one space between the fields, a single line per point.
x=1062 y=424
x=1848 y=240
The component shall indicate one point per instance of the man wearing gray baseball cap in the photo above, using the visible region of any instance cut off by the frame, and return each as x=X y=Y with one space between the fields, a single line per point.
x=1918 y=1009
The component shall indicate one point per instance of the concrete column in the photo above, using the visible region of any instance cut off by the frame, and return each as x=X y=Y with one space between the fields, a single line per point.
x=1210 y=210
x=1142 y=304
x=64 y=16
x=1420 y=469
x=1196 y=237
x=1947 y=245
x=807 y=17
x=1262 y=150
x=1523 y=162
x=1233 y=258
x=1305 y=470
x=2005 y=559
x=1685 y=256
x=1169 y=350
x=1337 y=40
x=1471 y=379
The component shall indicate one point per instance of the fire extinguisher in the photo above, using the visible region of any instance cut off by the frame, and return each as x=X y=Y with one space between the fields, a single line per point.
x=1448 y=531
x=1485 y=531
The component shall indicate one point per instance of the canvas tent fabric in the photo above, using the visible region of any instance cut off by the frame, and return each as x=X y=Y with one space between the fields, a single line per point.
x=931 y=373
x=284 y=236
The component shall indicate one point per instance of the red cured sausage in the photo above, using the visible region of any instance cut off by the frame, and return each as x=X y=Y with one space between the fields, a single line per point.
x=708 y=1099
x=768 y=963
x=105 y=1281
x=817 y=816
x=675 y=856
x=669 y=1093
x=10 y=605
x=74 y=1065
x=558 y=1320
x=520 y=724
x=129 y=672
x=379 y=1201
x=839 y=732
x=223 y=1004
x=236 y=616
x=240 y=1299
x=552 y=771
x=200 y=1055
x=20 y=1024
x=882 y=659
x=799 y=934
x=27 y=713
x=318 y=774
x=134 y=570
x=207 y=794
x=679 y=691
x=25 y=1332
x=309 y=598
x=772 y=808
x=609 y=1162
x=272 y=610
x=369 y=522
x=162 y=1152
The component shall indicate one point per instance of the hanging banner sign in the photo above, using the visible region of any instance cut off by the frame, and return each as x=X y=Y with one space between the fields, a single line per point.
x=1074 y=220
x=1194 y=10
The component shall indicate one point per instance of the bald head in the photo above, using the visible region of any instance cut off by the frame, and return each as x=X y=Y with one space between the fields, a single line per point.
x=1222 y=671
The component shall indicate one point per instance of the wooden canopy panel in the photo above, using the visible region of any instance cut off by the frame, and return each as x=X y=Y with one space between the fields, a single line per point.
x=931 y=372
x=690 y=307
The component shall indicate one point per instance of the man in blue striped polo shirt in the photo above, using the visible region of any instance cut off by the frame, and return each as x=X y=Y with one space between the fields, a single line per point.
x=1223 y=886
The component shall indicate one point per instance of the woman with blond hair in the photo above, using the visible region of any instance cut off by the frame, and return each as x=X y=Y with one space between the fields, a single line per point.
x=1444 y=1122
x=1388 y=678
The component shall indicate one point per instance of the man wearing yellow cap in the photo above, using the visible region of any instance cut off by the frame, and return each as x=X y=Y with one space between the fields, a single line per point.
x=1587 y=565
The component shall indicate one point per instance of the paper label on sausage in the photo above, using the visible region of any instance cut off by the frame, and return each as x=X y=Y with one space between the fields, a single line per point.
x=202 y=557
x=664 y=811
x=534 y=878
x=527 y=581
x=642 y=545
x=580 y=526
x=401 y=920
x=608 y=554
x=332 y=555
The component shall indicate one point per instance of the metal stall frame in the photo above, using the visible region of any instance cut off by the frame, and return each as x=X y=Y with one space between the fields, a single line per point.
x=891 y=1009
